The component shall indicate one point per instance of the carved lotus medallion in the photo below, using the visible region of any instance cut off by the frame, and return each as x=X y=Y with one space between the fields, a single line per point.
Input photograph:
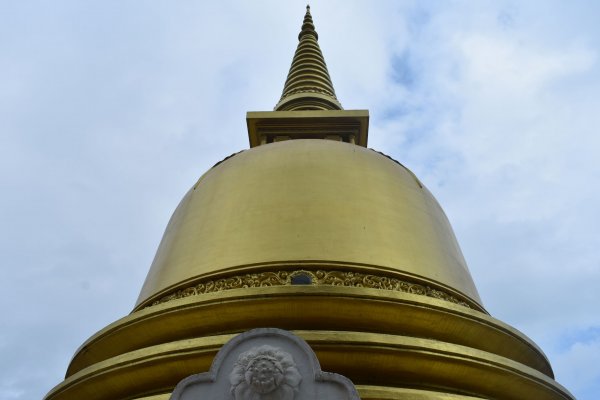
x=264 y=373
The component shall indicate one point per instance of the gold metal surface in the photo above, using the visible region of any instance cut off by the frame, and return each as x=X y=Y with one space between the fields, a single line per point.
x=351 y=126
x=367 y=392
x=305 y=308
x=312 y=277
x=164 y=396
x=308 y=85
x=366 y=358
x=308 y=201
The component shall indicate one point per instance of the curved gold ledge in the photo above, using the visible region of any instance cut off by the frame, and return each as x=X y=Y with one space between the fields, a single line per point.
x=392 y=393
x=155 y=397
x=365 y=358
x=309 y=308
x=375 y=393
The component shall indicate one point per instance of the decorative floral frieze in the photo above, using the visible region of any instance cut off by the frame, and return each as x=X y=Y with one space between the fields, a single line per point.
x=310 y=277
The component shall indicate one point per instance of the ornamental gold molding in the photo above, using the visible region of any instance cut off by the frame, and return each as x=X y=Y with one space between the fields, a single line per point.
x=312 y=90
x=313 y=278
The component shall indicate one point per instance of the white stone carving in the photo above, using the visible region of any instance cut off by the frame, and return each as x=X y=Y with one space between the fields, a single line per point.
x=265 y=364
x=264 y=373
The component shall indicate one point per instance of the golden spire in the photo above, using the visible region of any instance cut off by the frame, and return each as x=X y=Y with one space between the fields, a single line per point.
x=308 y=85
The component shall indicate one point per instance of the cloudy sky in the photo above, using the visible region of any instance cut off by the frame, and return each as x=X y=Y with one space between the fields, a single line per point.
x=110 y=110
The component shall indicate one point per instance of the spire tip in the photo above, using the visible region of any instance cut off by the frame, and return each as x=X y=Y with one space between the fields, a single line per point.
x=308 y=85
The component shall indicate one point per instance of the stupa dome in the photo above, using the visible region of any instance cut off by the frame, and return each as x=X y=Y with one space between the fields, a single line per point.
x=309 y=204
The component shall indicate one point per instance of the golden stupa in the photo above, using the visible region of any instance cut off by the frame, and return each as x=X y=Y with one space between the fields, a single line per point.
x=311 y=231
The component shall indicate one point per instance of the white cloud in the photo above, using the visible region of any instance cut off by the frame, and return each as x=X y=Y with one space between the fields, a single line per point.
x=578 y=365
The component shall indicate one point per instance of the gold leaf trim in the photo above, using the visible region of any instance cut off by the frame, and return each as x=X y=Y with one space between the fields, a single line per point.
x=311 y=90
x=314 y=278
